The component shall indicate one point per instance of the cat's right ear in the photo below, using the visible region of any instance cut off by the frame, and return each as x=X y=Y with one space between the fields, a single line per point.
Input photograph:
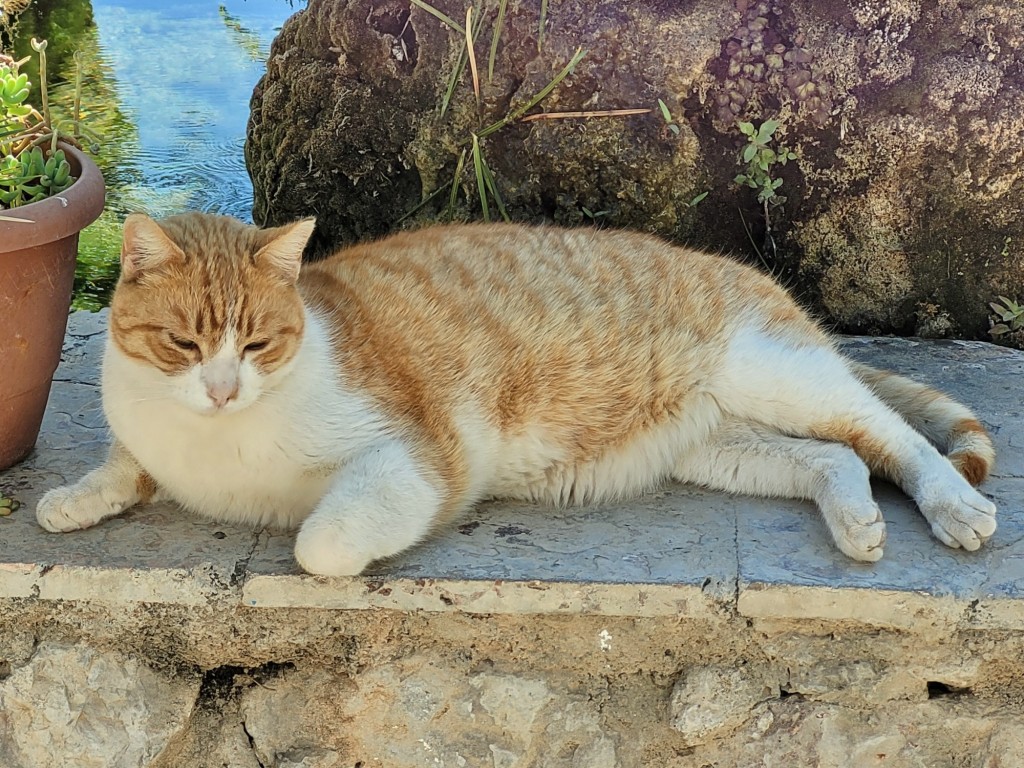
x=145 y=247
x=283 y=247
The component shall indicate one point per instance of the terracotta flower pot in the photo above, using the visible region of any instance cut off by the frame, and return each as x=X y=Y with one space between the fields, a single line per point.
x=37 y=272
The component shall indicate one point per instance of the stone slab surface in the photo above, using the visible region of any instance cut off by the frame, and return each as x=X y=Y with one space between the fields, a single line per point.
x=678 y=551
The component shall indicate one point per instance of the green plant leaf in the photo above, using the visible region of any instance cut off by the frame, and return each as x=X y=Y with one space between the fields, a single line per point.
x=767 y=129
x=998 y=330
x=748 y=152
x=664 y=111
x=747 y=129
x=698 y=198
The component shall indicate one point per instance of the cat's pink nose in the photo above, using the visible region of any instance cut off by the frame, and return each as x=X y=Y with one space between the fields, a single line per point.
x=222 y=392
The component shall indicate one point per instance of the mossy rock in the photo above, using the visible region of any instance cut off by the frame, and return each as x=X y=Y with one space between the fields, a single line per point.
x=903 y=210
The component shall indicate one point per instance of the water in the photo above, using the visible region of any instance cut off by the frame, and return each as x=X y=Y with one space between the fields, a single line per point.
x=167 y=85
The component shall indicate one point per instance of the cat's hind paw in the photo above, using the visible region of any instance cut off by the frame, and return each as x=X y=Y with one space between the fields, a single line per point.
x=965 y=519
x=73 y=507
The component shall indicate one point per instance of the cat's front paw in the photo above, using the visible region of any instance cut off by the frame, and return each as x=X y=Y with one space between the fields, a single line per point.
x=324 y=550
x=73 y=507
x=858 y=529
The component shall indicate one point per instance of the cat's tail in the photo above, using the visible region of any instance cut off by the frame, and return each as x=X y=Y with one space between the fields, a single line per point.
x=947 y=423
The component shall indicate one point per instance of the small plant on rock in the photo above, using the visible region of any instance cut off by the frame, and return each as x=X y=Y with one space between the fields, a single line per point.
x=1008 y=317
x=760 y=158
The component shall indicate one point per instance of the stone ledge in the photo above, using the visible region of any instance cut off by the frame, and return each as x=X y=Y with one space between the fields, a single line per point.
x=680 y=552
x=679 y=630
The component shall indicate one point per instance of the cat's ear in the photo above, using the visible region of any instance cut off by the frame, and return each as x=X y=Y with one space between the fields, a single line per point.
x=145 y=247
x=283 y=248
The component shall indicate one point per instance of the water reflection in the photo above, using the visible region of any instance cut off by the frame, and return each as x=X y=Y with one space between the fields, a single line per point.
x=167 y=85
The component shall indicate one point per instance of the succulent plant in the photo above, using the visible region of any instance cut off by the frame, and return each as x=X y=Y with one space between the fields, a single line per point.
x=31 y=177
x=32 y=165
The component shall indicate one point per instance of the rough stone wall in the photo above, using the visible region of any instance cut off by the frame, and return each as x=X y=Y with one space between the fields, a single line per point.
x=902 y=212
x=163 y=687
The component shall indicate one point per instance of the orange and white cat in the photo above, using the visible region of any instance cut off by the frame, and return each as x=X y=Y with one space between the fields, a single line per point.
x=369 y=398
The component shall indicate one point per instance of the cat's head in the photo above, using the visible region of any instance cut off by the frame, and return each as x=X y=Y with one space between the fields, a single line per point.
x=209 y=307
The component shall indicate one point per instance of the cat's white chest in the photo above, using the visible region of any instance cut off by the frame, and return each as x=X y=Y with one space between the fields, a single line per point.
x=268 y=464
x=244 y=470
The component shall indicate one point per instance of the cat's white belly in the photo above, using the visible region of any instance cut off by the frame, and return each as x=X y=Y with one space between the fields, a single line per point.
x=533 y=465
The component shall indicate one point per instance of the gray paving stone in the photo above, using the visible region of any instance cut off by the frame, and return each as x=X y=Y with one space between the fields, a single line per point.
x=677 y=551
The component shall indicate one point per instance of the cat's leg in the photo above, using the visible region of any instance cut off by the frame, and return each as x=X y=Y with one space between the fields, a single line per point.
x=806 y=389
x=744 y=458
x=379 y=504
x=110 y=489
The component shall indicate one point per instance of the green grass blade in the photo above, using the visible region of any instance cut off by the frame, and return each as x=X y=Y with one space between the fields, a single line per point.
x=453 y=198
x=498 y=24
x=437 y=14
x=470 y=49
x=547 y=89
x=478 y=164
x=422 y=203
x=493 y=187
x=538 y=98
x=543 y=22
x=750 y=237
x=453 y=81
x=460 y=65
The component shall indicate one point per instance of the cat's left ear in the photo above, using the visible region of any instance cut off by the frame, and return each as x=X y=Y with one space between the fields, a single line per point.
x=283 y=250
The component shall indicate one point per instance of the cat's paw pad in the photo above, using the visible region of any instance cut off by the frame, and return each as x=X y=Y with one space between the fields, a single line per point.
x=964 y=519
x=325 y=550
x=73 y=507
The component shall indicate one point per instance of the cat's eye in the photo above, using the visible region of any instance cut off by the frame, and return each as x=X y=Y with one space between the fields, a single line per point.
x=256 y=346
x=186 y=344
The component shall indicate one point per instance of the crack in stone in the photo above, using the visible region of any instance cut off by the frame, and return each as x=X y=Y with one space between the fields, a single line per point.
x=242 y=565
x=736 y=550
x=252 y=745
